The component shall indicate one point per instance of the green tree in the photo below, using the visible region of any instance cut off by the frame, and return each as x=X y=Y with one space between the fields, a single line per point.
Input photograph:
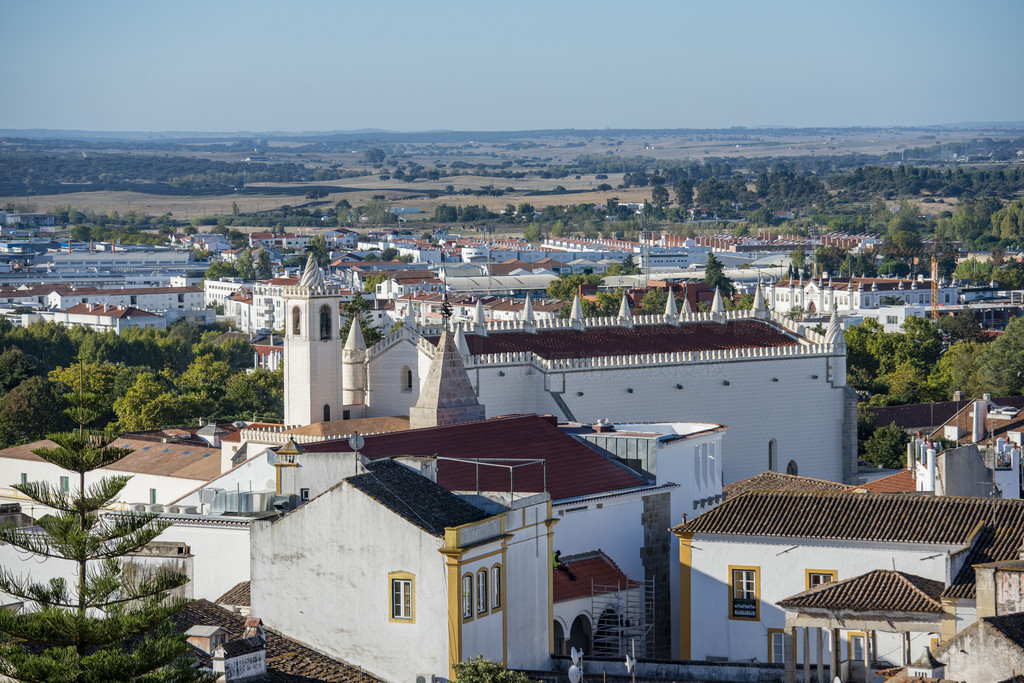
x=1002 y=365
x=963 y=326
x=659 y=196
x=887 y=447
x=317 y=246
x=714 y=275
x=356 y=310
x=255 y=395
x=244 y=265
x=481 y=670
x=83 y=628
x=220 y=270
x=16 y=366
x=654 y=302
x=370 y=282
x=374 y=156
x=799 y=260
x=30 y=411
x=263 y=269
x=443 y=213
x=566 y=286
x=684 y=193
x=81 y=233
x=389 y=254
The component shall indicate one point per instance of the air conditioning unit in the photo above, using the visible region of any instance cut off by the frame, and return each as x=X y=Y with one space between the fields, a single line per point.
x=425 y=678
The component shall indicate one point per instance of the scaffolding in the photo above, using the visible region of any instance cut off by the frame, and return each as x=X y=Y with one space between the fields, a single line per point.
x=623 y=619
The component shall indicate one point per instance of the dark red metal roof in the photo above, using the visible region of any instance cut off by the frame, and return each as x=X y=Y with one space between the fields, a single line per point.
x=623 y=341
x=573 y=469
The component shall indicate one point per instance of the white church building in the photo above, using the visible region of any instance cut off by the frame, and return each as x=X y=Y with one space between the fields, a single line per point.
x=779 y=387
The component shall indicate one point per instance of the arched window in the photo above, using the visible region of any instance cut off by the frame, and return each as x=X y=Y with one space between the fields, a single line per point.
x=467 y=596
x=495 y=586
x=296 y=321
x=481 y=591
x=327 y=413
x=325 y=322
x=406 y=379
x=773 y=455
x=791 y=468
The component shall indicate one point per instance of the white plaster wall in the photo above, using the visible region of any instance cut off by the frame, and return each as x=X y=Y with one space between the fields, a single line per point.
x=528 y=571
x=615 y=527
x=782 y=573
x=803 y=414
x=320 y=574
x=312 y=366
x=136 y=491
x=220 y=554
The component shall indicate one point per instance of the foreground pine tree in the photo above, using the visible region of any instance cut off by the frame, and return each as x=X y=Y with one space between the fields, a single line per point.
x=113 y=624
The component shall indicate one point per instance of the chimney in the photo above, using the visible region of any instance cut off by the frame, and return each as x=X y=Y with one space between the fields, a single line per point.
x=202 y=422
x=207 y=637
x=929 y=481
x=958 y=395
x=911 y=459
x=980 y=415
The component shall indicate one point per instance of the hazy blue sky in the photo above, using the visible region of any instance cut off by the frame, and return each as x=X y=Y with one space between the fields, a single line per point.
x=260 y=65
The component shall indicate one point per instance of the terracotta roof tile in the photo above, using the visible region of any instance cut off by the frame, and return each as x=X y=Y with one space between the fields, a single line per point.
x=185 y=461
x=882 y=590
x=777 y=481
x=903 y=481
x=287 y=660
x=993 y=528
x=236 y=596
x=618 y=341
x=571 y=468
x=580 y=574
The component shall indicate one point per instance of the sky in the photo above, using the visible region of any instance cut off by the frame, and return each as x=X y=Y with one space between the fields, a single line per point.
x=327 y=65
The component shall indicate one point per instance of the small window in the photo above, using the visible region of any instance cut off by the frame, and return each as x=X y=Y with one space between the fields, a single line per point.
x=401 y=598
x=346 y=414
x=792 y=469
x=743 y=593
x=65 y=484
x=327 y=412
x=467 y=596
x=304 y=494
x=296 y=321
x=817 y=577
x=406 y=379
x=24 y=477
x=495 y=587
x=776 y=646
x=481 y=591
x=773 y=451
x=152 y=496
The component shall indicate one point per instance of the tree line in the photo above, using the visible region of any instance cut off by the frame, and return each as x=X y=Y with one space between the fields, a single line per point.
x=143 y=378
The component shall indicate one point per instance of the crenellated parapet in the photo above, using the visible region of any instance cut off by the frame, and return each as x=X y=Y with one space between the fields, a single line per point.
x=808 y=341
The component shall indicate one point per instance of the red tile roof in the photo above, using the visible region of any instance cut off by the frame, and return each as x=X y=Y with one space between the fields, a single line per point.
x=108 y=312
x=881 y=590
x=903 y=481
x=572 y=469
x=579 y=575
x=619 y=341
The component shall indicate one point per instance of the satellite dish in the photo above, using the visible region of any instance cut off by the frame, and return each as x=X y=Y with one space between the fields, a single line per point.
x=630 y=664
x=575 y=675
x=577 y=655
x=356 y=441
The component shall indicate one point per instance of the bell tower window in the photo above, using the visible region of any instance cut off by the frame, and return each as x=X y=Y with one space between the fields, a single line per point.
x=296 y=321
x=327 y=412
x=325 y=322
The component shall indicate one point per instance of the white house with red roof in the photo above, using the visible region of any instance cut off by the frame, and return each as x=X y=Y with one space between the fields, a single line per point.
x=103 y=317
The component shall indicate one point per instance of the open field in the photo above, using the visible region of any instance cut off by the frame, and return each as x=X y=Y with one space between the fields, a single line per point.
x=527 y=152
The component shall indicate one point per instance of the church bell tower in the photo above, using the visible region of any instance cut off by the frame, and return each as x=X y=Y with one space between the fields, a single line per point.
x=312 y=350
